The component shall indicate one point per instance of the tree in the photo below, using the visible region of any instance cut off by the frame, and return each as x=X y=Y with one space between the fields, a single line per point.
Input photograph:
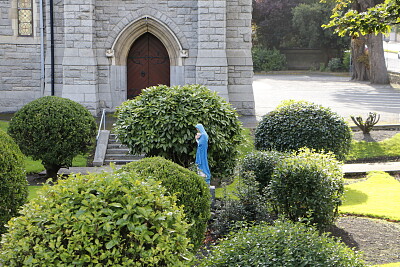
x=54 y=130
x=361 y=20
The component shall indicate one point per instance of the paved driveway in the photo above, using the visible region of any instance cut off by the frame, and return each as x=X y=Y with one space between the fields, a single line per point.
x=336 y=92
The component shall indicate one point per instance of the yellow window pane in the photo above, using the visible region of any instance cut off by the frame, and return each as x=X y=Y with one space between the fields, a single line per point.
x=24 y=3
x=25 y=15
x=25 y=29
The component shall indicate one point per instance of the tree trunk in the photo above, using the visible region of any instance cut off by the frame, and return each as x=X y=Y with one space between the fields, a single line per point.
x=52 y=171
x=378 y=70
x=376 y=58
x=360 y=62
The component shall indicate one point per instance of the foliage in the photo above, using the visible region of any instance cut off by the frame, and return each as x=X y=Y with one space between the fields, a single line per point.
x=99 y=219
x=13 y=185
x=335 y=64
x=54 y=130
x=364 y=150
x=307 y=186
x=190 y=189
x=376 y=19
x=297 y=124
x=281 y=244
x=247 y=145
x=267 y=60
x=271 y=18
x=262 y=164
x=161 y=122
x=346 y=60
x=377 y=196
x=307 y=20
x=246 y=204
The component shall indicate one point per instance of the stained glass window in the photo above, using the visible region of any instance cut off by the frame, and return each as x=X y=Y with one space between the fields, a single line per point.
x=25 y=18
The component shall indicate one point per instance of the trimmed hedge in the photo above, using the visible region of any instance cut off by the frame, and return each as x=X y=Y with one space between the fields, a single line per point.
x=99 y=220
x=161 y=122
x=13 y=184
x=309 y=186
x=297 y=124
x=262 y=164
x=282 y=244
x=190 y=189
x=54 y=130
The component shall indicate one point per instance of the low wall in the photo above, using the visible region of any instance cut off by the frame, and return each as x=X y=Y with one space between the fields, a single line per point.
x=394 y=77
x=308 y=59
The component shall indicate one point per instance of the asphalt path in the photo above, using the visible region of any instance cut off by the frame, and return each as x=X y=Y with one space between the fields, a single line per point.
x=339 y=93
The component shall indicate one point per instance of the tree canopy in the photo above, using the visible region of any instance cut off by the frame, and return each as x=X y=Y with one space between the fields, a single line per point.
x=375 y=20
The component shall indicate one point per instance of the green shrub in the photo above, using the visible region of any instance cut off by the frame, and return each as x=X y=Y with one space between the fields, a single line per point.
x=98 y=220
x=335 y=64
x=247 y=205
x=54 y=130
x=262 y=163
x=161 y=122
x=297 y=124
x=283 y=244
x=346 y=60
x=268 y=59
x=13 y=184
x=309 y=186
x=190 y=189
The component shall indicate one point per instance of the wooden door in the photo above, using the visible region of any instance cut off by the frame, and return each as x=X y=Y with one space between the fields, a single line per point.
x=147 y=65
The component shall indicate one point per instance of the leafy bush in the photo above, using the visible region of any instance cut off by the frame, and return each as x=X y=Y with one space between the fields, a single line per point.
x=268 y=59
x=297 y=124
x=161 y=122
x=335 y=64
x=346 y=60
x=247 y=205
x=54 y=130
x=98 y=220
x=308 y=186
x=190 y=189
x=282 y=244
x=262 y=163
x=13 y=184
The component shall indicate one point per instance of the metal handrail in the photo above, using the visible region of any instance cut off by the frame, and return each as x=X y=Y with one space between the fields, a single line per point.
x=102 y=122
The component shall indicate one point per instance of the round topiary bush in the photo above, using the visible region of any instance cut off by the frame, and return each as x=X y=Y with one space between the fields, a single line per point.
x=307 y=185
x=190 y=189
x=262 y=164
x=283 y=244
x=54 y=130
x=98 y=220
x=161 y=122
x=294 y=125
x=13 y=184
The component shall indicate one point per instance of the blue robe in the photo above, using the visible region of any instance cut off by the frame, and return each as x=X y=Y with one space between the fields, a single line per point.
x=201 y=153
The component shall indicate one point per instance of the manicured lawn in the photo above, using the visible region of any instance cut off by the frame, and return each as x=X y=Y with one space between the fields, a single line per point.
x=377 y=196
x=388 y=147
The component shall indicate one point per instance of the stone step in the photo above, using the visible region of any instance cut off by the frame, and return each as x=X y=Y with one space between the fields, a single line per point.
x=116 y=146
x=117 y=161
x=120 y=150
x=123 y=156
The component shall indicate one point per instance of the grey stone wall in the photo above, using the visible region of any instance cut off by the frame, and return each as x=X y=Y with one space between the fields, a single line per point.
x=210 y=41
x=19 y=61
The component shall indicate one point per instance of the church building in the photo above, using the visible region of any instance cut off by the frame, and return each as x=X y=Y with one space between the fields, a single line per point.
x=102 y=52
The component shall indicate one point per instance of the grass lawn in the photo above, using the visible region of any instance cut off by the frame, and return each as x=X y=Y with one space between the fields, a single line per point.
x=32 y=191
x=388 y=147
x=378 y=196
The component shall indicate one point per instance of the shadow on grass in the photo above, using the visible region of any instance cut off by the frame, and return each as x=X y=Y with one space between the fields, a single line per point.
x=354 y=197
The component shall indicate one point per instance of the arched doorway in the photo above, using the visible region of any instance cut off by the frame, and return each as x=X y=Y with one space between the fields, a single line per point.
x=148 y=64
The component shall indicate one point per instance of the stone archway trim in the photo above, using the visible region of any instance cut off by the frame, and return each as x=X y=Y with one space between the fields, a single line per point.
x=123 y=42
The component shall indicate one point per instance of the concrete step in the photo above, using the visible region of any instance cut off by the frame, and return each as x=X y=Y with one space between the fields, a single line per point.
x=122 y=156
x=117 y=161
x=117 y=151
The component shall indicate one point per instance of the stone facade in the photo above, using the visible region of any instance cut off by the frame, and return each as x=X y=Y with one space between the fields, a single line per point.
x=208 y=42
